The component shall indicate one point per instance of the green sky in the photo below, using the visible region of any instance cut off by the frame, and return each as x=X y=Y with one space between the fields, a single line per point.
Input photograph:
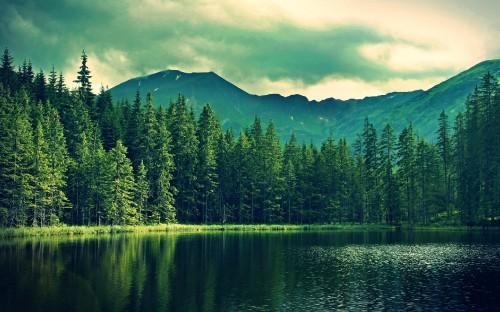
x=341 y=49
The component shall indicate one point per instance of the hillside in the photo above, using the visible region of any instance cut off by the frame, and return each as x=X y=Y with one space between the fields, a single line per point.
x=311 y=120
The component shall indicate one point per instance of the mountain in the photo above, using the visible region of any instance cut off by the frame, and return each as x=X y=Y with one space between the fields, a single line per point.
x=311 y=120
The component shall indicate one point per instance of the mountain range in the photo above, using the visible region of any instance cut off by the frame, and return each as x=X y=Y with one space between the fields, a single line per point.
x=311 y=120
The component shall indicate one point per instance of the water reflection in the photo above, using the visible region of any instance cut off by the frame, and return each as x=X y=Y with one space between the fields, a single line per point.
x=381 y=270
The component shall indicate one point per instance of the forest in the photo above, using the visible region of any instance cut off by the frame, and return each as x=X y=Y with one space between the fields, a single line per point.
x=78 y=158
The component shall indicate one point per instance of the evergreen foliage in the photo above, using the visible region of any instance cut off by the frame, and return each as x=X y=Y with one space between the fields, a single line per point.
x=73 y=158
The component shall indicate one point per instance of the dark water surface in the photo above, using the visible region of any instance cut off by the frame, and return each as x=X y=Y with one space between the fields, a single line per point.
x=306 y=271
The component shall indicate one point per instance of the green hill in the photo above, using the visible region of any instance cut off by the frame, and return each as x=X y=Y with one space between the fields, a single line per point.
x=311 y=120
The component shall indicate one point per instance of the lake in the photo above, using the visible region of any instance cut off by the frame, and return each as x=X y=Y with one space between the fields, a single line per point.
x=258 y=271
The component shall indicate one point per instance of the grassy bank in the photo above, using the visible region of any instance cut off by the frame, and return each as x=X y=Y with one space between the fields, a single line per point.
x=453 y=228
x=186 y=228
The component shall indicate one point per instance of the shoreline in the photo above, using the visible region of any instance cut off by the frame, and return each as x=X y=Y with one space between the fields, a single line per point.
x=64 y=230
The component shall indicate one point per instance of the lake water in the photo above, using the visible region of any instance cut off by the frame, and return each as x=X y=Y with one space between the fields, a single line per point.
x=306 y=271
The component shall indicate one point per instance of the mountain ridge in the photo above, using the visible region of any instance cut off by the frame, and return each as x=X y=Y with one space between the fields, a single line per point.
x=311 y=119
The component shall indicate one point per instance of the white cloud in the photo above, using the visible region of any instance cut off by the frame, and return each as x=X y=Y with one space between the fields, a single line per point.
x=407 y=57
x=445 y=39
x=424 y=38
x=340 y=88
x=331 y=87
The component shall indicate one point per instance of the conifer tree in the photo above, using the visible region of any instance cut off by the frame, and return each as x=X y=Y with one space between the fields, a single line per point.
x=273 y=181
x=243 y=170
x=25 y=76
x=41 y=178
x=429 y=181
x=305 y=176
x=40 y=87
x=147 y=150
x=495 y=166
x=407 y=173
x=473 y=155
x=257 y=173
x=163 y=202
x=121 y=208
x=290 y=175
x=184 y=147
x=141 y=192
x=330 y=175
x=16 y=163
x=105 y=116
x=134 y=130
x=226 y=172
x=390 y=187
x=487 y=162
x=61 y=88
x=444 y=147
x=90 y=180
x=52 y=87
x=99 y=182
x=459 y=157
x=359 y=196
x=57 y=155
x=7 y=74
x=209 y=135
x=84 y=84
x=345 y=182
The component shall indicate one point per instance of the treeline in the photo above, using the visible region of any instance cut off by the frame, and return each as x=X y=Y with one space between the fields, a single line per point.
x=78 y=158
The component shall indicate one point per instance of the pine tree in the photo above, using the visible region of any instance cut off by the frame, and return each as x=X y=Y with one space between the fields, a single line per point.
x=495 y=166
x=305 y=176
x=147 y=151
x=99 y=182
x=134 y=130
x=345 y=182
x=487 y=162
x=407 y=172
x=75 y=119
x=182 y=127
x=389 y=187
x=61 y=88
x=121 y=208
x=52 y=87
x=371 y=165
x=359 y=197
x=257 y=173
x=25 y=76
x=142 y=192
x=41 y=178
x=57 y=155
x=472 y=196
x=273 y=181
x=90 y=180
x=429 y=196
x=106 y=117
x=242 y=169
x=226 y=172
x=444 y=147
x=163 y=202
x=328 y=174
x=16 y=163
x=7 y=74
x=460 y=164
x=40 y=87
x=209 y=135
x=290 y=166
x=84 y=84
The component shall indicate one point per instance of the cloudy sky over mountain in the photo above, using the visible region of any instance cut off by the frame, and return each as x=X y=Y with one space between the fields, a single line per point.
x=318 y=48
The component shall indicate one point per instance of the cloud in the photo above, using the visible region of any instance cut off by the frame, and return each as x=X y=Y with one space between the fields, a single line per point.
x=309 y=47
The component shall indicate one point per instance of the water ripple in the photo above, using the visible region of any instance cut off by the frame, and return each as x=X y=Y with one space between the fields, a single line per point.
x=397 y=277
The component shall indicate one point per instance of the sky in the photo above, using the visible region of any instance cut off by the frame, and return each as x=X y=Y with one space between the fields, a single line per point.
x=318 y=48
